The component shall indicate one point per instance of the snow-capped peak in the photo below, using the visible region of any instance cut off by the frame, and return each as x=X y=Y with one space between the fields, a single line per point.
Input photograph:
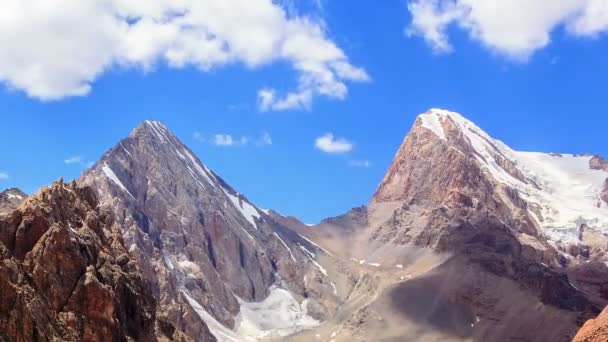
x=564 y=186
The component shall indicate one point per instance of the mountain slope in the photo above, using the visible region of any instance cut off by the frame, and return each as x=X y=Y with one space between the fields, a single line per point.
x=208 y=252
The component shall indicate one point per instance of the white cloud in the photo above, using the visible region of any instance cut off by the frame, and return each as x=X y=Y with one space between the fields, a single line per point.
x=78 y=160
x=515 y=28
x=329 y=144
x=223 y=139
x=52 y=50
x=3 y=175
x=73 y=160
x=360 y=163
x=228 y=140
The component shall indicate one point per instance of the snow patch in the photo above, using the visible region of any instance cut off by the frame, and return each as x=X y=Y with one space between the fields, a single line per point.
x=277 y=316
x=112 y=176
x=432 y=121
x=13 y=196
x=563 y=186
x=221 y=333
x=246 y=209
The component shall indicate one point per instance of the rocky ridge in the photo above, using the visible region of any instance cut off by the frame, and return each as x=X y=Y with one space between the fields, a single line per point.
x=66 y=275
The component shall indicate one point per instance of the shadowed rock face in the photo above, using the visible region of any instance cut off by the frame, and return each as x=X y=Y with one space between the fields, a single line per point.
x=10 y=199
x=193 y=235
x=65 y=274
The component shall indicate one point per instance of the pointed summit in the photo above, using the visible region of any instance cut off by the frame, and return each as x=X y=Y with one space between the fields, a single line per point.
x=10 y=199
x=205 y=248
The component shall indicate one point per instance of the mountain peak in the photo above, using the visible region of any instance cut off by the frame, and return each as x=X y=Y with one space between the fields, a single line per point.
x=10 y=199
x=447 y=158
x=153 y=128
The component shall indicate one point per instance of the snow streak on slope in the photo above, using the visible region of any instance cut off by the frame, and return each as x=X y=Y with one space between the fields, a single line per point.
x=246 y=209
x=286 y=247
x=564 y=186
x=112 y=176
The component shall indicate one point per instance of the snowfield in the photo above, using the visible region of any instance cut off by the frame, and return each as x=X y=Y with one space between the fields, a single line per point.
x=563 y=186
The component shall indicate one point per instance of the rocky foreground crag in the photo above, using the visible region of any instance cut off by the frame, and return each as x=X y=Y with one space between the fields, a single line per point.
x=65 y=274
x=594 y=330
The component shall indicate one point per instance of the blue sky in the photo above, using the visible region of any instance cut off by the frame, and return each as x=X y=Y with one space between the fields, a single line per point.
x=405 y=57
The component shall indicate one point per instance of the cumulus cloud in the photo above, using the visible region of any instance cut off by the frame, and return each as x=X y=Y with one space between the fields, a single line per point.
x=51 y=51
x=359 y=163
x=3 y=175
x=515 y=28
x=329 y=144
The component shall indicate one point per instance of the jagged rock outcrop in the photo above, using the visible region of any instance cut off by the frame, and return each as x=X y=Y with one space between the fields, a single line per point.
x=205 y=249
x=10 y=199
x=594 y=330
x=66 y=275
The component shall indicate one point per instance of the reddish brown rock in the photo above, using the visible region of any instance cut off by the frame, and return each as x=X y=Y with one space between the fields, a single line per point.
x=594 y=330
x=65 y=275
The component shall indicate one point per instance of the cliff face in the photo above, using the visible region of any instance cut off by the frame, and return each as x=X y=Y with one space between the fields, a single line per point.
x=65 y=274
x=206 y=250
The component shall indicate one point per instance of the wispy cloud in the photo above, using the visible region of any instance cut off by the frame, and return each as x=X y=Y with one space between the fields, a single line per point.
x=360 y=163
x=78 y=160
x=329 y=144
x=73 y=160
x=265 y=139
x=3 y=175
x=229 y=140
